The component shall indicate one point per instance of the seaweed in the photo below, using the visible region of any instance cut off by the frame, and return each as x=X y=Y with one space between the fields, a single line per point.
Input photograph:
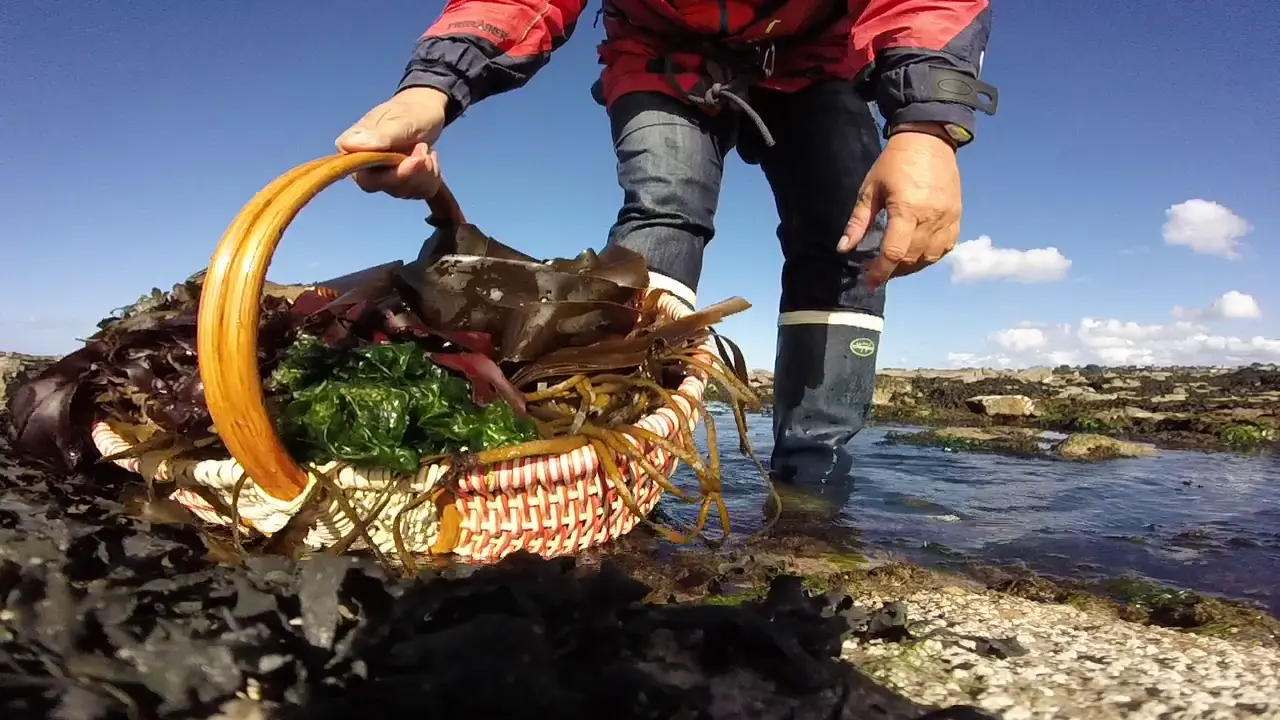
x=387 y=405
x=464 y=279
x=139 y=367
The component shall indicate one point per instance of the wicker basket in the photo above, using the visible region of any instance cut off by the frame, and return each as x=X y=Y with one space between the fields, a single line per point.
x=549 y=505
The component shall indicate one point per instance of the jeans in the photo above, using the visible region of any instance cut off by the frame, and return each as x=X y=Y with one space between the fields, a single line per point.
x=671 y=161
x=670 y=164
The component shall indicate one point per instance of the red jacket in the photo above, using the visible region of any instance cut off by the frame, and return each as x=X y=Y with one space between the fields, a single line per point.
x=906 y=53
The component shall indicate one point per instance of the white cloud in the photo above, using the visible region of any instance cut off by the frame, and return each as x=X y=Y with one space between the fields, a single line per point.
x=1020 y=339
x=978 y=260
x=957 y=359
x=1233 y=305
x=1119 y=342
x=1205 y=227
x=961 y=360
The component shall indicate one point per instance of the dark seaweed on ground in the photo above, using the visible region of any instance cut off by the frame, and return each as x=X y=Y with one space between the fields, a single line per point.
x=105 y=616
x=949 y=394
x=1249 y=379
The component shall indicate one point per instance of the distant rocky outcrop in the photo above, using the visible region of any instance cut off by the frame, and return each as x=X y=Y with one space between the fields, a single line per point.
x=1023 y=442
x=1179 y=407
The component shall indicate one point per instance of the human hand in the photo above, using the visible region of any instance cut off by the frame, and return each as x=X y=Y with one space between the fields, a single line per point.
x=916 y=181
x=410 y=123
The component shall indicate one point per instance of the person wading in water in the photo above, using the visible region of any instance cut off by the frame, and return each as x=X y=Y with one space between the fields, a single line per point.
x=788 y=84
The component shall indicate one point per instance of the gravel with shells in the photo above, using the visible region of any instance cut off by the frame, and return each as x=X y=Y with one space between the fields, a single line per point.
x=1062 y=662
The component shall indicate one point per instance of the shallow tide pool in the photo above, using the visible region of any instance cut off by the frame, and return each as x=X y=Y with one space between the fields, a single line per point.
x=1205 y=521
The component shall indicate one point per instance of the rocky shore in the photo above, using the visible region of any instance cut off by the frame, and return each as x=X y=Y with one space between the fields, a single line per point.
x=1221 y=409
x=108 y=612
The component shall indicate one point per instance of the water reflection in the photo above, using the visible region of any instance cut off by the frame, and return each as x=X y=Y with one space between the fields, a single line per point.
x=1209 y=522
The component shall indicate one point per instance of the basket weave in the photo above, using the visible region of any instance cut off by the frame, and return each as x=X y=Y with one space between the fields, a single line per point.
x=550 y=505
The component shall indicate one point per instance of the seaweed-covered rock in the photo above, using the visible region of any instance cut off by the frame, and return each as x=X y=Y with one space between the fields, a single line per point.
x=1014 y=441
x=104 y=614
x=1002 y=405
x=1088 y=446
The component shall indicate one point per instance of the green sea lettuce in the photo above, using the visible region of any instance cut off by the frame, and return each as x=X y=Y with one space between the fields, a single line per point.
x=384 y=405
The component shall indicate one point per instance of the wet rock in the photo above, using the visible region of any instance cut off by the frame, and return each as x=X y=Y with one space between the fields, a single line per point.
x=1088 y=446
x=1243 y=413
x=882 y=396
x=987 y=434
x=1035 y=374
x=759 y=379
x=891 y=390
x=964 y=375
x=1084 y=394
x=1018 y=442
x=1002 y=405
x=1129 y=413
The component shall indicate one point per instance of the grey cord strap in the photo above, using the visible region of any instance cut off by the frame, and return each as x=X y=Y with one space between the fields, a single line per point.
x=717 y=94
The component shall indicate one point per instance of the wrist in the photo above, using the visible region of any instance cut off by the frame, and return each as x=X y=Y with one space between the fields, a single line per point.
x=933 y=129
x=436 y=89
x=424 y=95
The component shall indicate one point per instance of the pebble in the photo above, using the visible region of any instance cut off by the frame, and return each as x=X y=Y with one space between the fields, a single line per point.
x=1078 y=664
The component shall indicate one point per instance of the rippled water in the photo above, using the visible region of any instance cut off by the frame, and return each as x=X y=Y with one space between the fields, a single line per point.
x=1204 y=521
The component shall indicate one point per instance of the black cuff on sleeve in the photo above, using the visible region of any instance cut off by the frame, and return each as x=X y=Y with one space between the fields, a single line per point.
x=940 y=112
x=454 y=66
x=925 y=91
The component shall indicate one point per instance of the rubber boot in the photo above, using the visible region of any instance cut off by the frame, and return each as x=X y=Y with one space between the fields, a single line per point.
x=823 y=382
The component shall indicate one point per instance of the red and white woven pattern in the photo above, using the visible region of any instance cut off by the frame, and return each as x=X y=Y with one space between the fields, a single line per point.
x=553 y=505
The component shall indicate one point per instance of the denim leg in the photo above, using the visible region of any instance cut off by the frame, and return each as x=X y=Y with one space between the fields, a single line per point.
x=826 y=141
x=828 y=325
x=670 y=163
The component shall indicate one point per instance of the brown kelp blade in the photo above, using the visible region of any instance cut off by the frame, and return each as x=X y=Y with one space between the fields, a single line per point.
x=535 y=329
x=628 y=352
x=617 y=264
x=465 y=239
x=350 y=281
x=474 y=282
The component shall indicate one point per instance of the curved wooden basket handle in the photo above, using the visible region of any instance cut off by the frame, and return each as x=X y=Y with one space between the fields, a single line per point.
x=230 y=304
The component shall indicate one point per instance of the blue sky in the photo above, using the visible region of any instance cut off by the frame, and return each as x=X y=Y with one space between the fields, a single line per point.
x=134 y=131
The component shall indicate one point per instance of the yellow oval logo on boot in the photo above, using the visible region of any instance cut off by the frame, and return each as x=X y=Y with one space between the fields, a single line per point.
x=862 y=347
